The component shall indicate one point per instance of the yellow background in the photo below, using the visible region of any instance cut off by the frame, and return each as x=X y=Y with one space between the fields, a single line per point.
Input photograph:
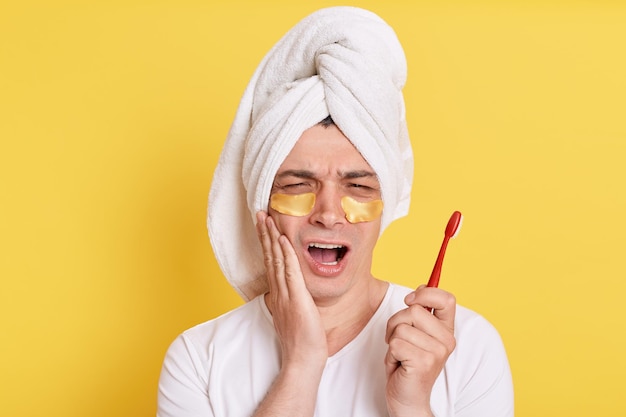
x=112 y=116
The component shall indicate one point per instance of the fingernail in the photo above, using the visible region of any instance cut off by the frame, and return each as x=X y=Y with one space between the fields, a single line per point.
x=409 y=298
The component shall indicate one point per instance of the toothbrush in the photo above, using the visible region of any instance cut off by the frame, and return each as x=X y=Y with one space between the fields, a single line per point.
x=452 y=229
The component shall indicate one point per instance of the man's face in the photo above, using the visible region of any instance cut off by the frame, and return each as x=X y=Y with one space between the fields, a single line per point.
x=335 y=255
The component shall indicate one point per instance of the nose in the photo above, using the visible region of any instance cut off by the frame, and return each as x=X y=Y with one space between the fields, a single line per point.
x=327 y=211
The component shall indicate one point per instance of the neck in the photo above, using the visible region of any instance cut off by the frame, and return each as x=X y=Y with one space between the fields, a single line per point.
x=344 y=319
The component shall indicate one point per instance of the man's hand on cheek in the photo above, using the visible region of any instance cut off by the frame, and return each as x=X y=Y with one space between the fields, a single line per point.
x=295 y=315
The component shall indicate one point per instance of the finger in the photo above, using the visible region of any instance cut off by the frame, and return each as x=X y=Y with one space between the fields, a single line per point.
x=266 y=246
x=293 y=273
x=401 y=352
x=398 y=352
x=278 y=260
x=442 y=302
x=421 y=365
x=440 y=345
x=421 y=319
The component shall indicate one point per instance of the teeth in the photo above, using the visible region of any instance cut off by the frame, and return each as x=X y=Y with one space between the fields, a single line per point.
x=325 y=246
x=340 y=251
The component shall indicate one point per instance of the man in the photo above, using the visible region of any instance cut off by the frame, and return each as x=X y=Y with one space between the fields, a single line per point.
x=316 y=165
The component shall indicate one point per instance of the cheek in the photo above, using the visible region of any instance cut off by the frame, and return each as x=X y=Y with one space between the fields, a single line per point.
x=357 y=212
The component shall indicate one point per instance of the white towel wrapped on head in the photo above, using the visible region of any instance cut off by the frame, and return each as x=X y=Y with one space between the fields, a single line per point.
x=341 y=61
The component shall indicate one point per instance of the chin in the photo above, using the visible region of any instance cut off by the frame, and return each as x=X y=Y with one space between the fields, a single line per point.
x=326 y=289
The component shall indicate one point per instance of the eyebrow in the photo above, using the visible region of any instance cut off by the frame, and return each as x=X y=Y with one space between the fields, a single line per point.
x=302 y=173
x=298 y=173
x=358 y=174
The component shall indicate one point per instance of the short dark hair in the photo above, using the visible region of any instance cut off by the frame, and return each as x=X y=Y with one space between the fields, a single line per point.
x=328 y=121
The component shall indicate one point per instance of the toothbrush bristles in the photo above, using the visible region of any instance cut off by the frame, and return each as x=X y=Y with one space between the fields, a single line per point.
x=458 y=228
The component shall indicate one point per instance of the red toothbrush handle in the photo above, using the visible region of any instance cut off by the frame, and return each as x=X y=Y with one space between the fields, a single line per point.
x=451 y=229
x=434 y=276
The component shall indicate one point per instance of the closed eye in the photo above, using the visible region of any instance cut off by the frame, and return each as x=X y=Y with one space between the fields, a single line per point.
x=363 y=190
x=297 y=187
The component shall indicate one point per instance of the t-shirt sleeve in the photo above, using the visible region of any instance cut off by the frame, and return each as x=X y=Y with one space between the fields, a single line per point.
x=484 y=384
x=183 y=383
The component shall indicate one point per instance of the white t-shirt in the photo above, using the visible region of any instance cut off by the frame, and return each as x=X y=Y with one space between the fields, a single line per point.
x=225 y=367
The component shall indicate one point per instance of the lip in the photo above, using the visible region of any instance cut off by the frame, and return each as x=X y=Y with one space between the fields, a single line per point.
x=324 y=270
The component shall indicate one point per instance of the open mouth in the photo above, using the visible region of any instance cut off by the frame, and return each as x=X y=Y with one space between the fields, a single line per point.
x=327 y=254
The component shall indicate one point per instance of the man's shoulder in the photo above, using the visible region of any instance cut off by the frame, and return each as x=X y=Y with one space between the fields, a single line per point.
x=251 y=315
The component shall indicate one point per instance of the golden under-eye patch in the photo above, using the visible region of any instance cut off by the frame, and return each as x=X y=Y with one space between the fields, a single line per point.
x=293 y=204
x=357 y=212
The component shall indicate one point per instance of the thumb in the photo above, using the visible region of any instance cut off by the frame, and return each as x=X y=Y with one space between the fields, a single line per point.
x=409 y=300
